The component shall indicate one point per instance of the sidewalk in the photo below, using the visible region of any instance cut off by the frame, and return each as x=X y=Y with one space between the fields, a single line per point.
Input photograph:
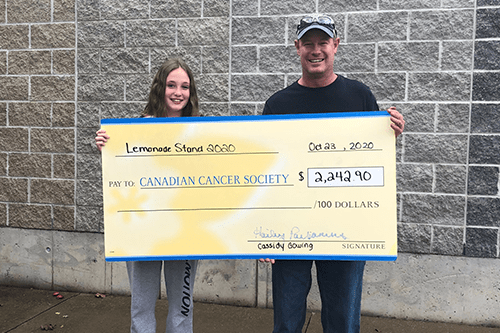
x=26 y=310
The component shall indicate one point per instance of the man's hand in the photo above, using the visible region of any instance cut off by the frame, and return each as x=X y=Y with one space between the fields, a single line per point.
x=398 y=123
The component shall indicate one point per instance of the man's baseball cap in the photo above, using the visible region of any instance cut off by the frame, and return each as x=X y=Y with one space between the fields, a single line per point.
x=322 y=22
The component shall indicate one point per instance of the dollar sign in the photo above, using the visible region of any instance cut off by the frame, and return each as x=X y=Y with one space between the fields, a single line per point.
x=301 y=176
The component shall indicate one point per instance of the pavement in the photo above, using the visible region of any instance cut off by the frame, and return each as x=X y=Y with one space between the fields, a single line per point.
x=24 y=310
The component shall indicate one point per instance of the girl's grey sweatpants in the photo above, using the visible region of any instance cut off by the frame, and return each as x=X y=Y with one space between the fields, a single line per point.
x=144 y=277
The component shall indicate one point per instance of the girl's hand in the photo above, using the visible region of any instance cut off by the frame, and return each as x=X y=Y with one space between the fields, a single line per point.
x=101 y=139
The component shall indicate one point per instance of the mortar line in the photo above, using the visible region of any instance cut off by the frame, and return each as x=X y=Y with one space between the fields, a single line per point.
x=474 y=27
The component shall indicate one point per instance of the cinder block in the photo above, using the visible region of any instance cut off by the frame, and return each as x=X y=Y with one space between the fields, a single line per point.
x=447 y=240
x=453 y=118
x=483 y=211
x=213 y=88
x=442 y=25
x=53 y=88
x=14 y=189
x=482 y=89
x=278 y=59
x=433 y=209
x=215 y=59
x=3 y=164
x=30 y=216
x=63 y=115
x=336 y=6
x=244 y=59
x=481 y=242
x=124 y=61
x=457 y=56
x=61 y=35
x=415 y=178
x=64 y=10
x=483 y=149
x=64 y=166
x=414 y=237
x=27 y=11
x=52 y=191
x=191 y=55
x=377 y=27
x=385 y=86
x=120 y=10
x=482 y=180
x=481 y=116
x=30 y=62
x=151 y=33
x=203 y=31
x=252 y=88
x=258 y=30
x=63 y=61
x=436 y=148
x=3 y=63
x=487 y=20
x=101 y=34
x=286 y=7
x=100 y=88
x=408 y=56
x=3 y=211
x=212 y=8
x=89 y=218
x=30 y=165
x=14 y=37
x=14 y=88
x=64 y=218
x=42 y=140
x=174 y=9
x=14 y=139
x=245 y=8
x=450 y=179
x=439 y=86
x=29 y=114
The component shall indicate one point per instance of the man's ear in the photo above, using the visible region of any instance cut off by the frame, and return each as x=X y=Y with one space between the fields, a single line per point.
x=297 y=46
x=336 y=42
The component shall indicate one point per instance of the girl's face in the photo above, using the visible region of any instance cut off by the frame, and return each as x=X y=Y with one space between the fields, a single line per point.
x=177 y=92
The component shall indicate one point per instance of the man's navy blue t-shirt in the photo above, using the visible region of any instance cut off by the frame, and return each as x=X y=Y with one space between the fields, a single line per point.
x=343 y=95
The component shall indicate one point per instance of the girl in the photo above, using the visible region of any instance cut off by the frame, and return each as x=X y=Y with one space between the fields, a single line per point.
x=173 y=94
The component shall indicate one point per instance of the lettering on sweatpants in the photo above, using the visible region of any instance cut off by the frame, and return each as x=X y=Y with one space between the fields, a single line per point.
x=186 y=299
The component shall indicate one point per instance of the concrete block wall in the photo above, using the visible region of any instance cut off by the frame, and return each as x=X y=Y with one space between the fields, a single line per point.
x=66 y=64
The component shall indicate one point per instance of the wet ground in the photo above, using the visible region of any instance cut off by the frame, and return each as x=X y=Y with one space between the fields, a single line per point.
x=31 y=310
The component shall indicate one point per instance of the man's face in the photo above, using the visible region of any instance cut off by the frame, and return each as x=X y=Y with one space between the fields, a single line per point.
x=317 y=52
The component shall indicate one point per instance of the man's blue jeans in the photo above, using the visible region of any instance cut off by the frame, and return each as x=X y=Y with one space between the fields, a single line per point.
x=340 y=284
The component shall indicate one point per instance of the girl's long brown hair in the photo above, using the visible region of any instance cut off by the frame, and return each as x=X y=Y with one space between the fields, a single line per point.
x=156 y=106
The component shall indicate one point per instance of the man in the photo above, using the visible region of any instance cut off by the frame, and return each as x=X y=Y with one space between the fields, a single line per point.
x=320 y=90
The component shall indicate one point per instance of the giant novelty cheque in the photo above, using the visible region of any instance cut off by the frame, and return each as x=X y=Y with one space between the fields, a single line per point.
x=318 y=186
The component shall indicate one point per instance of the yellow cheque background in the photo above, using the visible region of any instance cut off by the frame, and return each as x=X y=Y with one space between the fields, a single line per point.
x=167 y=204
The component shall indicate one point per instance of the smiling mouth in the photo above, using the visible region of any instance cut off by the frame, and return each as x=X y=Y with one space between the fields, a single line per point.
x=314 y=61
x=176 y=101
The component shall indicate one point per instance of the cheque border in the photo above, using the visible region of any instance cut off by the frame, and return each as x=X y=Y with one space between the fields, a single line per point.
x=239 y=121
x=121 y=121
x=253 y=256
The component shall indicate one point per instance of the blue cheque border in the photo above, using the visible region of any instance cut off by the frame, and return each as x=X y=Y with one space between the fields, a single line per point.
x=121 y=121
x=253 y=256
